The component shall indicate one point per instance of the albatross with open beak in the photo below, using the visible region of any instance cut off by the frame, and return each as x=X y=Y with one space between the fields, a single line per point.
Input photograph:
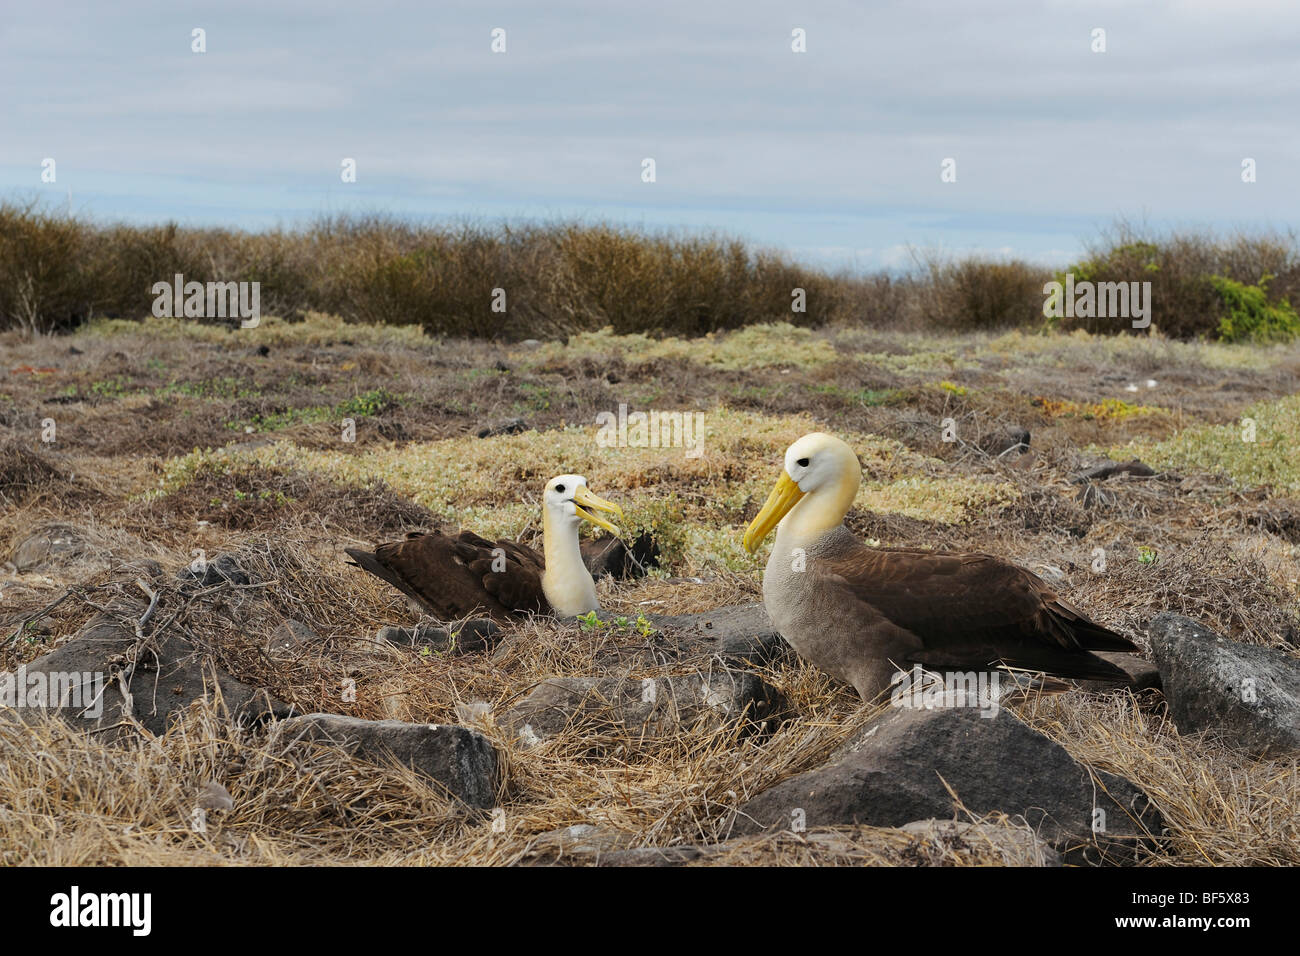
x=863 y=613
x=452 y=577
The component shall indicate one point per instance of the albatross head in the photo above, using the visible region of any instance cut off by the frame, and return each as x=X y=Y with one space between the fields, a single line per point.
x=568 y=501
x=822 y=469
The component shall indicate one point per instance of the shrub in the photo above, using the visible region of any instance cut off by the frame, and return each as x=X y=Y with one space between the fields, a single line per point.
x=565 y=278
x=45 y=285
x=1185 y=272
x=978 y=294
x=1251 y=317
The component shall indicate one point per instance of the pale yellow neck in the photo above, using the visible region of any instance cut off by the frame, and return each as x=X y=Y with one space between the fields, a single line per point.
x=566 y=581
x=820 y=510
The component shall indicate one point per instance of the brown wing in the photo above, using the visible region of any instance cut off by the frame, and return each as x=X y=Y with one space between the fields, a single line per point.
x=970 y=610
x=607 y=554
x=454 y=577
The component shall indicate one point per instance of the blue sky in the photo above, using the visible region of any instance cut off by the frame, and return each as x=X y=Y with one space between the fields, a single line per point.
x=833 y=155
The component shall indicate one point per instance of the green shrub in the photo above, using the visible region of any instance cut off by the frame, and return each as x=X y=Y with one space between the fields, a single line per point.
x=1251 y=317
x=1183 y=270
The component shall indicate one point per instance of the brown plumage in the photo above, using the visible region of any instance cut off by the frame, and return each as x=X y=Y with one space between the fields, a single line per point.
x=863 y=613
x=465 y=575
x=972 y=610
x=451 y=576
x=607 y=555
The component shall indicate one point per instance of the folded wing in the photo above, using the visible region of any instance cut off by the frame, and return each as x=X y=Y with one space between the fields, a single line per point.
x=972 y=610
x=461 y=575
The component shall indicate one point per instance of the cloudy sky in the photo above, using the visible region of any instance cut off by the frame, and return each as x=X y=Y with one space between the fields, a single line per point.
x=834 y=154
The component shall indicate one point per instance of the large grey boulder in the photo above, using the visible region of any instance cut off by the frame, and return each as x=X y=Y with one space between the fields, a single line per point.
x=900 y=768
x=463 y=761
x=1247 y=695
x=51 y=546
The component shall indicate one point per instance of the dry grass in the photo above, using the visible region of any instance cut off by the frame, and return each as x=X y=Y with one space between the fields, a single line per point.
x=1221 y=808
x=124 y=476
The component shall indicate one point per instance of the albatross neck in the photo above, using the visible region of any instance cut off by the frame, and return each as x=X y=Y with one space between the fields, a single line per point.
x=820 y=510
x=565 y=580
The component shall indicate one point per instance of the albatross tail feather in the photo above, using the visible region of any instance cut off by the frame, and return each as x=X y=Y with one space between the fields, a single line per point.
x=1087 y=633
x=1069 y=664
x=369 y=562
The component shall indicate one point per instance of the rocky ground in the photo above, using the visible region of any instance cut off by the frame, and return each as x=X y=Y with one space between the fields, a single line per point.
x=177 y=500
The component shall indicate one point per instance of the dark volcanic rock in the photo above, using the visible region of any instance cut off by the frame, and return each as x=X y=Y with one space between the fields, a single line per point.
x=51 y=545
x=463 y=761
x=1248 y=695
x=509 y=427
x=895 y=773
x=480 y=634
x=653 y=706
x=164 y=675
x=220 y=570
x=1009 y=438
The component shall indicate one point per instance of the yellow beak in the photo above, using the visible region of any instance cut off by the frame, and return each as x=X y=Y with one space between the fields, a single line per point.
x=582 y=498
x=784 y=496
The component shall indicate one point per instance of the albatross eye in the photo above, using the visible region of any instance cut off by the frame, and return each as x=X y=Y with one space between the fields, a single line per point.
x=560 y=488
x=802 y=462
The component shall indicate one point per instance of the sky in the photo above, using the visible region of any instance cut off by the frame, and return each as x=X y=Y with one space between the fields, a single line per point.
x=834 y=155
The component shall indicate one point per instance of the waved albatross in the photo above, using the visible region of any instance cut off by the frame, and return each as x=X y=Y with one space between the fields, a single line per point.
x=451 y=577
x=863 y=613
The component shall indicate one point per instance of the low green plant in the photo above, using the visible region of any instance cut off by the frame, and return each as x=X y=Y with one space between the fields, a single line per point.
x=1250 y=316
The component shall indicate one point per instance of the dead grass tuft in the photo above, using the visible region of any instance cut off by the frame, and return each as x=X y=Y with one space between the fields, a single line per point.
x=1190 y=541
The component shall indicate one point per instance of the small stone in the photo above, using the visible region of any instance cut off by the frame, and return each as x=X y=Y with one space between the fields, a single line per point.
x=509 y=427
x=651 y=707
x=214 y=797
x=461 y=760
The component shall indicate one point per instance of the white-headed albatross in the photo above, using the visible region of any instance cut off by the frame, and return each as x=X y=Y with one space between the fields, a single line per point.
x=452 y=577
x=863 y=613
